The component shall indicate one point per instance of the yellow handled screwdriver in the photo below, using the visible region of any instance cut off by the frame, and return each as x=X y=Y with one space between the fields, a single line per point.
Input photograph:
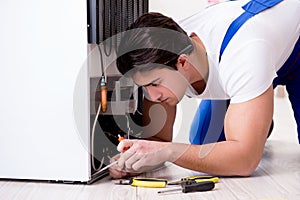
x=144 y=182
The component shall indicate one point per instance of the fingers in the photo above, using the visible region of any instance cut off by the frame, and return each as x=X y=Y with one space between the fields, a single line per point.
x=115 y=174
x=125 y=156
x=127 y=150
x=131 y=161
x=130 y=156
x=140 y=155
x=115 y=171
x=125 y=145
x=138 y=165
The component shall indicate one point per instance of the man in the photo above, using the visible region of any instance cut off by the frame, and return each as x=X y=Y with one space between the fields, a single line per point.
x=235 y=53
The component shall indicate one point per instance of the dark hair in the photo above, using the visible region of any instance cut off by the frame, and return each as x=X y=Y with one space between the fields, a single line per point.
x=151 y=40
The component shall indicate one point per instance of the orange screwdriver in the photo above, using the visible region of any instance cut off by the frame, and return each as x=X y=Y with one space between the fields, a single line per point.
x=120 y=139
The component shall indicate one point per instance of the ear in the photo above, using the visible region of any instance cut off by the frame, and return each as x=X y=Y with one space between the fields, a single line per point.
x=182 y=62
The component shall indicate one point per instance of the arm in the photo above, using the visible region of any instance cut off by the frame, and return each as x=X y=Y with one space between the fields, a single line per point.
x=246 y=127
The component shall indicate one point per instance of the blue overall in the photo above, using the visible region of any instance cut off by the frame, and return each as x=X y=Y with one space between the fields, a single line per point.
x=208 y=123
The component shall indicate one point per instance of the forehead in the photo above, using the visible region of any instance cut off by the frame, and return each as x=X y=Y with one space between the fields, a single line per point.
x=145 y=77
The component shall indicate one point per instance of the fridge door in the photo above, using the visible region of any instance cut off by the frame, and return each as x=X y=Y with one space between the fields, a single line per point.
x=44 y=119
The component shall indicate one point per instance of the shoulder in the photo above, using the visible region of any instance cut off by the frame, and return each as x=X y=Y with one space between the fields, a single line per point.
x=248 y=70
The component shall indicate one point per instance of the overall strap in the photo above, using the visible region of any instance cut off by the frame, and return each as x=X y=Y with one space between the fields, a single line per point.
x=252 y=8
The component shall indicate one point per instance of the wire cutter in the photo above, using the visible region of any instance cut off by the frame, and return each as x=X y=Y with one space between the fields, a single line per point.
x=196 y=179
x=144 y=182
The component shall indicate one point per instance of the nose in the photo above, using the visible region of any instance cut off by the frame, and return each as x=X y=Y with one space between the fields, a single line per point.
x=154 y=93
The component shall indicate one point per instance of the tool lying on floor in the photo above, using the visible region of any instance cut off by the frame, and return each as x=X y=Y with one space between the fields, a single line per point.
x=197 y=179
x=194 y=183
x=192 y=186
x=144 y=182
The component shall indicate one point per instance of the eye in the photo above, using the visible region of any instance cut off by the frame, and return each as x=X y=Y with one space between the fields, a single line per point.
x=154 y=83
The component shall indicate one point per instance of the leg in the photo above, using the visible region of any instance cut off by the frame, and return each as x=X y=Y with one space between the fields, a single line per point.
x=208 y=123
x=289 y=75
x=271 y=129
x=294 y=96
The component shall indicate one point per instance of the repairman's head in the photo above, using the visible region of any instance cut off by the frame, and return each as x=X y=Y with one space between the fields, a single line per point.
x=149 y=51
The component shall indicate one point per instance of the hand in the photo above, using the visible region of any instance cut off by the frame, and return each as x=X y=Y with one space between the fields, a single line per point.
x=142 y=154
x=117 y=172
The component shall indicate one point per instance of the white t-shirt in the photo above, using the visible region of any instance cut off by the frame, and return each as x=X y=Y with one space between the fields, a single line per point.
x=254 y=54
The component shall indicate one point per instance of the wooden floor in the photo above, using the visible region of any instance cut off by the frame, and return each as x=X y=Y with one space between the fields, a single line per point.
x=277 y=176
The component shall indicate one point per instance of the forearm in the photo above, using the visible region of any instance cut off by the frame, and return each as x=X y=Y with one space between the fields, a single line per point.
x=246 y=128
x=227 y=158
x=158 y=139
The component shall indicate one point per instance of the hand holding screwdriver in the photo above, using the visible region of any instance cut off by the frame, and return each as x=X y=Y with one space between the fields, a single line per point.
x=116 y=172
x=115 y=162
x=143 y=155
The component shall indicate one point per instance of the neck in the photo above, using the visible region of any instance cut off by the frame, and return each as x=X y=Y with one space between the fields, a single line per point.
x=199 y=61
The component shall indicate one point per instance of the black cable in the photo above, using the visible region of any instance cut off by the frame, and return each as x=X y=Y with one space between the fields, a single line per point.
x=101 y=59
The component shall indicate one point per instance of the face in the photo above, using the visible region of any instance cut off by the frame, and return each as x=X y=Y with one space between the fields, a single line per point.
x=162 y=85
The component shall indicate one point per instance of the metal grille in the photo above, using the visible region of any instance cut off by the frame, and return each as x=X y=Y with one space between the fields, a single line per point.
x=109 y=17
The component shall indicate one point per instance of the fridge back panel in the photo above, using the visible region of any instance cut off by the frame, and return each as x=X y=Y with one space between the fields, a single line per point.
x=107 y=18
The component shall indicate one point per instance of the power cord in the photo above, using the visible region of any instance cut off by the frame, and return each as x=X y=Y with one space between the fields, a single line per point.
x=93 y=141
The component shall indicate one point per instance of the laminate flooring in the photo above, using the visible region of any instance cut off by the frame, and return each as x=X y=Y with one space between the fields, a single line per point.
x=276 y=178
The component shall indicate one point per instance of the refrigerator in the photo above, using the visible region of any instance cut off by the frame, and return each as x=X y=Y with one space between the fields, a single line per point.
x=50 y=71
